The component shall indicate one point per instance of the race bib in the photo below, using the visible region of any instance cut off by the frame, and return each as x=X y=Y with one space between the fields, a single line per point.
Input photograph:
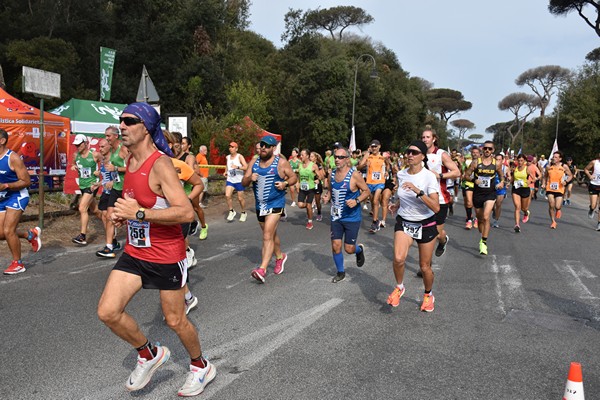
x=518 y=184
x=303 y=185
x=413 y=229
x=3 y=194
x=336 y=212
x=232 y=173
x=376 y=176
x=115 y=176
x=85 y=172
x=138 y=233
x=553 y=186
x=485 y=181
x=265 y=212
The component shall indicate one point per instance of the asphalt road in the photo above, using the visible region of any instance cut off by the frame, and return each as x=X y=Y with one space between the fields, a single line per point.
x=506 y=326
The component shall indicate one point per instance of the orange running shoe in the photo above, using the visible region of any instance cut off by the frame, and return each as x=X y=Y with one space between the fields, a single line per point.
x=558 y=214
x=475 y=223
x=553 y=225
x=428 y=301
x=394 y=298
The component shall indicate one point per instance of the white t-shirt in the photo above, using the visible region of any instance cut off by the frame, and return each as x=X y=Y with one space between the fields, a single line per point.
x=413 y=208
x=234 y=175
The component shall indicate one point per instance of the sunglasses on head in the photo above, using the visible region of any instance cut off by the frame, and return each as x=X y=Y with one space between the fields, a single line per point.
x=489 y=148
x=340 y=157
x=265 y=145
x=128 y=121
x=413 y=152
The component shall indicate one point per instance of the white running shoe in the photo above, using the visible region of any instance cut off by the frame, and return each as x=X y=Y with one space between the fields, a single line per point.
x=190 y=304
x=191 y=257
x=144 y=369
x=293 y=204
x=243 y=216
x=197 y=380
x=231 y=215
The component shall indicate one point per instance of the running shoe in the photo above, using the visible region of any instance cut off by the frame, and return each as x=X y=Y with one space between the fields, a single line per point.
x=280 y=264
x=517 y=228
x=243 y=216
x=598 y=226
x=231 y=215
x=79 y=239
x=259 y=274
x=340 y=276
x=441 y=247
x=14 y=268
x=194 y=228
x=394 y=298
x=374 y=227
x=144 y=369
x=203 y=232
x=468 y=225
x=564 y=202
x=591 y=213
x=526 y=215
x=553 y=225
x=106 y=252
x=117 y=245
x=36 y=241
x=495 y=224
x=569 y=202
x=381 y=224
x=475 y=223
x=319 y=218
x=191 y=257
x=192 y=303
x=483 y=248
x=558 y=214
x=428 y=303
x=360 y=257
x=293 y=204
x=309 y=225
x=197 y=380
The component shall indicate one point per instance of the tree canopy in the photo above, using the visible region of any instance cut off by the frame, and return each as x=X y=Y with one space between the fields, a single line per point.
x=446 y=103
x=542 y=81
x=564 y=7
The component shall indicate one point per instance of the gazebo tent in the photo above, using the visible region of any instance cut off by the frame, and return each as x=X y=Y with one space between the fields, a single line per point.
x=22 y=122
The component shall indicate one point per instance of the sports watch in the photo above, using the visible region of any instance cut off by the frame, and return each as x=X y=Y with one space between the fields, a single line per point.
x=421 y=193
x=141 y=214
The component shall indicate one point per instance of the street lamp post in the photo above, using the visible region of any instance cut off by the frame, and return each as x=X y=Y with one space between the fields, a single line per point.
x=373 y=75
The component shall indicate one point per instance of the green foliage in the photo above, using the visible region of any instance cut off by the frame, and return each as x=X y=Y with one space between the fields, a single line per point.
x=447 y=103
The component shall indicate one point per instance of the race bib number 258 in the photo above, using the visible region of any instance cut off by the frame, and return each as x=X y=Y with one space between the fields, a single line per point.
x=138 y=233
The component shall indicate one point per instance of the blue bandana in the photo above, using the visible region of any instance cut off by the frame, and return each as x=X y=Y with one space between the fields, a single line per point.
x=151 y=119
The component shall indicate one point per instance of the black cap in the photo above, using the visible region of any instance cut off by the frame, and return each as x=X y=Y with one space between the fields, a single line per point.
x=375 y=142
x=337 y=145
x=420 y=145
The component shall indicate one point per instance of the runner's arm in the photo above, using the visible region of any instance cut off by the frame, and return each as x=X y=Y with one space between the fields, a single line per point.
x=453 y=171
x=24 y=180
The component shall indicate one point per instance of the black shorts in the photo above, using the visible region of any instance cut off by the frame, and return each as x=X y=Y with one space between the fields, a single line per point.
x=555 y=194
x=114 y=195
x=389 y=185
x=479 y=199
x=89 y=191
x=274 y=211
x=306 y=196
x=154 y=275
x=440 y=217
x=185 y=229
x=319 y=188
x=428 y=233
x=103 y=202
x=593 y=189
x=522 y=192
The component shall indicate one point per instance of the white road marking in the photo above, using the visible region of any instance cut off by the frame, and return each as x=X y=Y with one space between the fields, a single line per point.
x=14 y=280
x=508 y=285
x=573 y=271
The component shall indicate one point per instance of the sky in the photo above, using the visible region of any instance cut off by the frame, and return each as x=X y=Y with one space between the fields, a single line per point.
x=478 y=47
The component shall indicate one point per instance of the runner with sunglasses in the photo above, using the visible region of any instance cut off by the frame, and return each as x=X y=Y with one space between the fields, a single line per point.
x=482 y=172
x=556 y=175
x=418 y=202
x=270 y=176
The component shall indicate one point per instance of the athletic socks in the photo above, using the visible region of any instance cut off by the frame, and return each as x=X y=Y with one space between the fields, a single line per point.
x=339 y=261
x=199 y=362
x=188 y=296
x=147 y=351
x=484 y=240
x=469 y=213
x=358 y=250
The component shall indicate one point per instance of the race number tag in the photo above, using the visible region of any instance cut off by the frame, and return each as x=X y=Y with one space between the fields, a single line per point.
x=553 y=186
x=85 y=172
x=3 y=194
x=265 y=212
x=412 y=229
x=484 y=181
x=138 y=233
x=304 y=185
x=115 y=176
x=232 y=173
x=518 y=184
x=336 y=212
x=376 y=176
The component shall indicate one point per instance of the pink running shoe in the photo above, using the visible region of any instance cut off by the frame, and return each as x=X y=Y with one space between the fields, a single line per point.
x=280 y=264
x=259 y=274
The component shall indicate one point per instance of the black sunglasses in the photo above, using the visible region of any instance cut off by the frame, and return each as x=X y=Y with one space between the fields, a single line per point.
x=489 y=148
x=266 y=145
x=413 y=152
x=128 y=121
x=340 y=157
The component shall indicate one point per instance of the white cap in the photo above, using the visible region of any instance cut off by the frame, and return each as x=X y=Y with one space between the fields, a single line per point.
x=79 y=138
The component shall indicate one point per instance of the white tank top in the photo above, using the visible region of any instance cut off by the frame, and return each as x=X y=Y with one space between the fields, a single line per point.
x=596 y=173
x=234 y=175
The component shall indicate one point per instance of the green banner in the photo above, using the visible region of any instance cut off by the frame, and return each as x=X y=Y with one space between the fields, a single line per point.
x=107 y=62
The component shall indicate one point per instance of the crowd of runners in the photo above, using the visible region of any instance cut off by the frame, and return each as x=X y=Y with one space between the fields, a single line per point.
x=152 y=187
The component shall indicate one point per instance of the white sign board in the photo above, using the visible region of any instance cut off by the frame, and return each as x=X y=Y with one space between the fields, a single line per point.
x=41 y=83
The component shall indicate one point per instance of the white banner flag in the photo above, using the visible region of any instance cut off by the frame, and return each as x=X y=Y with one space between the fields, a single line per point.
x=352 y=145
x=554 y=149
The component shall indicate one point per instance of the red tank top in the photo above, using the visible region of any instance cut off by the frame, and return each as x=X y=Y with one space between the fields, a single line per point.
x=163 y=244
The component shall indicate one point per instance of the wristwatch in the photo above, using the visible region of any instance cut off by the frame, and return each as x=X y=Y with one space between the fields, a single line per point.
x=421 y=193
x=357 y=200
x=141 y=214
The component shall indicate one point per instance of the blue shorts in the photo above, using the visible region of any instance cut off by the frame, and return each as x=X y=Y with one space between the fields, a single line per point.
x=501 y=192
x=373 y=187
x=14 y=200
x=237 y=186
x=346 y=229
